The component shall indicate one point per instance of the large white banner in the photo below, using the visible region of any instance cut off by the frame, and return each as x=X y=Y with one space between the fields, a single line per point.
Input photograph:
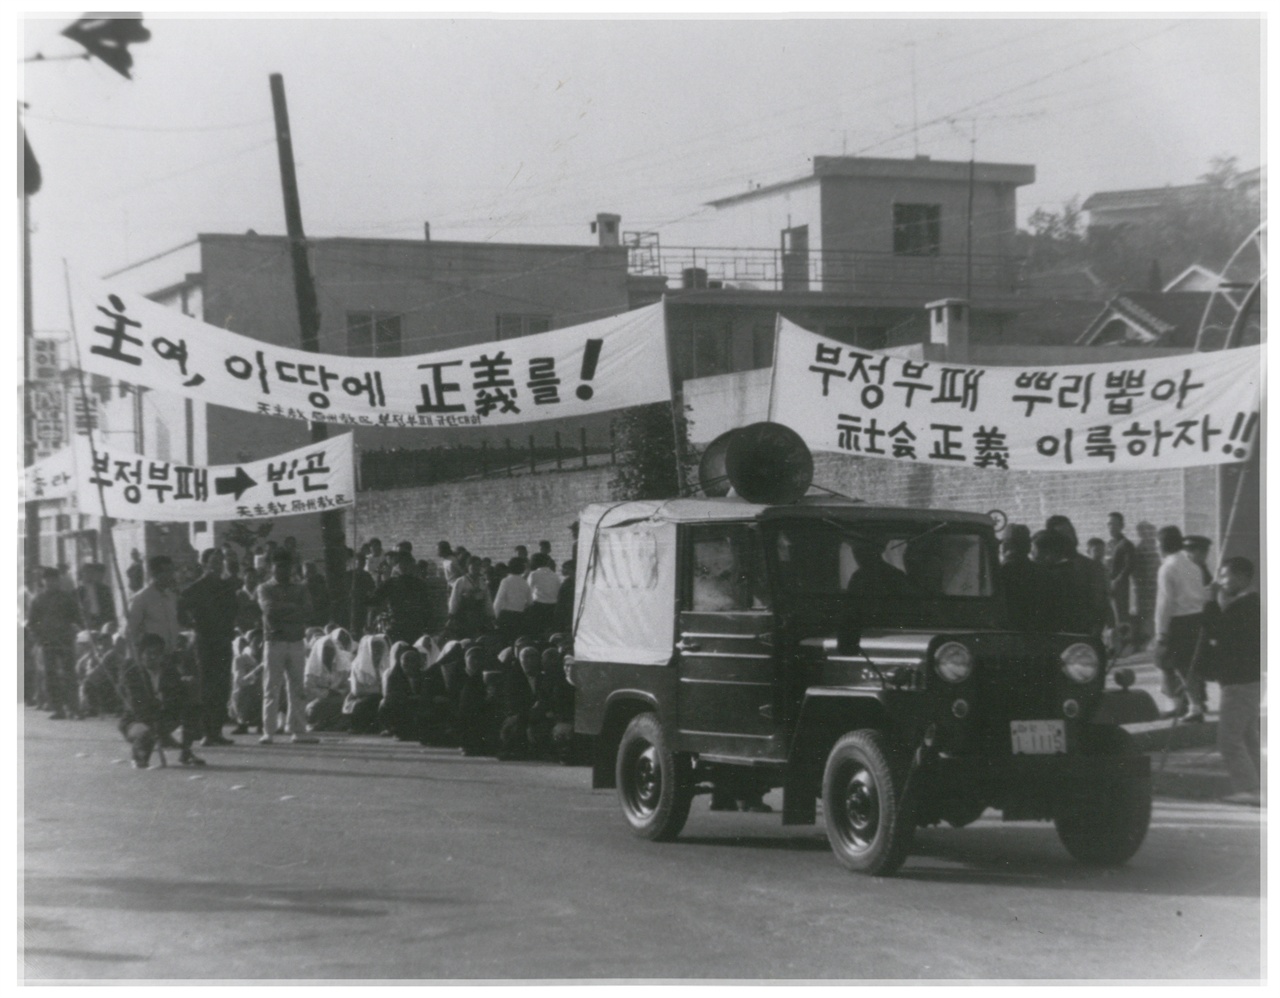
x=129 y=486
x=1167 y=412
x=608 y=364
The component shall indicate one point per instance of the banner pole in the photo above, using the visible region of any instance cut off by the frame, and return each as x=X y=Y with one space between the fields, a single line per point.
x=677 y=405
x=109 y=541
x=773 y=371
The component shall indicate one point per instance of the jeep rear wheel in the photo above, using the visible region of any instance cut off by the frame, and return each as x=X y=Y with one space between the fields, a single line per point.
x=655 y=785
x=862 y=806
x=1111 y=831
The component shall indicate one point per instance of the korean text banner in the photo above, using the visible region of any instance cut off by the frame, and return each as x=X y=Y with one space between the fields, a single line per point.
x=608 y=364
x=1166 y=412
x=134 y=487
x=52 y=477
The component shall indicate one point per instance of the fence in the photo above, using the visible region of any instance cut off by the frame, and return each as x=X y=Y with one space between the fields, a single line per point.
x=405 y=467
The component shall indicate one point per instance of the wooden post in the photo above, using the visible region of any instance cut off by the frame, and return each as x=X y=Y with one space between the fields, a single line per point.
x=582 y=430
x=557 y=450
x=533 y=458
x=308 y=312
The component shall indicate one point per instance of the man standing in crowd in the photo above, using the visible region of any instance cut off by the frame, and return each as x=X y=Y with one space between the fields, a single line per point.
x=544 y=585
x=53 y=620
x=1018 y=577
x=209 y=604
x=133 y=574
x=95 y=596
x=1233 y=628
x=154 y=610
x=404 y=602
x=318 y=590
x=285 y=610
x=1197 y=549
x=511 y=603
x=564 y=600
x=470 y=609
x=1121 y=556
x=1090 y=578
x=1180 y=598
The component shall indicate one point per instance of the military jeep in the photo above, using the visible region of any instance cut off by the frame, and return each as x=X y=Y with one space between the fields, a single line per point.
x=850 y=654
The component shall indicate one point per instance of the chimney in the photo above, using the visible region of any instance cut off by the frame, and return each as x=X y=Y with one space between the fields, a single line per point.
x=948 y=331
x=606 y=228
x=426 y=231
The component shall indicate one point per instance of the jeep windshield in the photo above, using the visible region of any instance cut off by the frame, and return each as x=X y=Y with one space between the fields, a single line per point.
x=886 y=572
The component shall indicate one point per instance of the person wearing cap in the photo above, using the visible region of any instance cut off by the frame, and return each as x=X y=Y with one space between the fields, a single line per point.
x=1181 y=594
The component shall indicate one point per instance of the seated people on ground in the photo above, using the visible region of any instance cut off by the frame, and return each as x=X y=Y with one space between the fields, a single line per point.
x=400 y=711
x=100 y=679
x=325 y=682
x=528 y=710
x=473 y=717
x=157 y=701
x=247 y=669
x=365 y=691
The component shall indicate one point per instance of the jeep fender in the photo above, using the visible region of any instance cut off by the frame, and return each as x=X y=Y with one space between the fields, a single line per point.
x=825 y=715
x=620 y=708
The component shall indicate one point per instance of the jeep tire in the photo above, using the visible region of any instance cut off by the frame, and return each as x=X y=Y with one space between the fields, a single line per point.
x=1111 y=832
x=655 y=785
x=862 y=806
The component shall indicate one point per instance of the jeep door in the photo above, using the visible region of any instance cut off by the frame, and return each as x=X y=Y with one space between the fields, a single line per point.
x=725 y=657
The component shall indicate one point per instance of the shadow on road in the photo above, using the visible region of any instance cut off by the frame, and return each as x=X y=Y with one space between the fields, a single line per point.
x=151 y=894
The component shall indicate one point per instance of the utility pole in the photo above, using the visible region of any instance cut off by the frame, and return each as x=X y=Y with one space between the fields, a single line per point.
x=31 y=546
x=968 y=236
x=331 y=535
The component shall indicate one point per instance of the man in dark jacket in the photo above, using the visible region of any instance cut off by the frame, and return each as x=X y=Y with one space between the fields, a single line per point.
x=157 y=700
x=1233 y=630
x=209 y=605
x=404 y=602
x=1019 y=578
x=1091 y=587
x=54 y=620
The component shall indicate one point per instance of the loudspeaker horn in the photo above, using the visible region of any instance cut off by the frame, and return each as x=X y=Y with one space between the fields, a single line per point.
x=713 y=477
x=767 y=463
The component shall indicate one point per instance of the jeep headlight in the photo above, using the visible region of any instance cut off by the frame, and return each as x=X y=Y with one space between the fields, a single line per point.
x=954 y=662
x=1080 y=662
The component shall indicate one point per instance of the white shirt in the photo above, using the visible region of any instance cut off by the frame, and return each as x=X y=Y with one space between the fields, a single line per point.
x=545 y=585
x=1180 y=590
x=513 y=594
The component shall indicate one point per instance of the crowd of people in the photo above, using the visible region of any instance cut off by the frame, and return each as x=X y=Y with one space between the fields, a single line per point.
x=1204 y=626
x=465 y=651
x=455 y=651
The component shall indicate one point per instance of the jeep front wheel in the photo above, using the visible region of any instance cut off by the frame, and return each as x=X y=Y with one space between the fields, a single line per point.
x=655 y=785
x=1113 y=829
x=862 y=806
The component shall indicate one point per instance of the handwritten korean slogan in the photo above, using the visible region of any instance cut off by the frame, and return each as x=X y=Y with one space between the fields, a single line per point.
x=130 y=486
x=1167 y=412
x=608 y=364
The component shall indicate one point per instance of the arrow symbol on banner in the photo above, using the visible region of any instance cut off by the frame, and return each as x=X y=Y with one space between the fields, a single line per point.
x=237 y=483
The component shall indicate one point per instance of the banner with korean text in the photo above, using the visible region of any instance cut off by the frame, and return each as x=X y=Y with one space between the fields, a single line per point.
x=311 y=479
x=52 y=477
x=1165 y=412
x=607 y=364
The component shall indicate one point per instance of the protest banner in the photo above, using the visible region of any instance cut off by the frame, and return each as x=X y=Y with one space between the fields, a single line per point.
x=126 y=486
x=607 y=364
x=52 y=477
x=1164 y=412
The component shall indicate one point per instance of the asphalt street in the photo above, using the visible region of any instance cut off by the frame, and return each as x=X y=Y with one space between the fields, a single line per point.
x=364 y=858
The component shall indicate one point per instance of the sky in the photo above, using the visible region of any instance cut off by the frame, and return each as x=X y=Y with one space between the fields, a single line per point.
x=522 y=130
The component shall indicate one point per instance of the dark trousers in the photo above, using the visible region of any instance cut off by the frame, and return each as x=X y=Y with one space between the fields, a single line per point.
x=402 y=717
x=213 y=656
x=1180 y=650
x=58 y=668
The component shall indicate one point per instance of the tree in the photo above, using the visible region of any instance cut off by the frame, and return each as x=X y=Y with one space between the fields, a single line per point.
x=646 y=453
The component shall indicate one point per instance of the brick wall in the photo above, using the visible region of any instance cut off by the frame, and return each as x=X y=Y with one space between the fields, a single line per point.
x=489 y=517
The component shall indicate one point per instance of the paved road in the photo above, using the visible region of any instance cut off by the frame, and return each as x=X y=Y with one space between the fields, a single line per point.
x=364 y=858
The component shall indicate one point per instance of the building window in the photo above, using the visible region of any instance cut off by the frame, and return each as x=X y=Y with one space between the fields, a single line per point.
x=513 y=325
x=373 y=334
x=762 y=345
x=917 y=229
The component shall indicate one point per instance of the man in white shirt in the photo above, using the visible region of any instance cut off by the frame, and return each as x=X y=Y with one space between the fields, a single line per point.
x=513 y=599
x=1180 y=598
x=544 y=583
x=154 y=610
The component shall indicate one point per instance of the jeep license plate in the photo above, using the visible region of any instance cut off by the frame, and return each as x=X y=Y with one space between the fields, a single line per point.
x=1038 y=737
